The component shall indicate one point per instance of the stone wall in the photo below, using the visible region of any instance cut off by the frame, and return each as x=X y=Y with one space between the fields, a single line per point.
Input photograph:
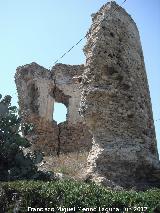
x=38 y=90
x=116 y=102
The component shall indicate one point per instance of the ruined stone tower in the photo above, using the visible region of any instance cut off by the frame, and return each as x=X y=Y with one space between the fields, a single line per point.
x=112 y=92
x=116 y=104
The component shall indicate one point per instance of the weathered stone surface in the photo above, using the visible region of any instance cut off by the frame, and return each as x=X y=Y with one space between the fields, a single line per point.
x=116 y=104
x=38 y=90
x=74 y=137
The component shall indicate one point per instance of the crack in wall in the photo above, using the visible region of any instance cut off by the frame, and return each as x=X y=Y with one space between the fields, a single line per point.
x=59 y=141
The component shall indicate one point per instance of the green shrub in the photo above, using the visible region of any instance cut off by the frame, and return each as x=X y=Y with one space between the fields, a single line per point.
x=69 y=194
x=14 y=162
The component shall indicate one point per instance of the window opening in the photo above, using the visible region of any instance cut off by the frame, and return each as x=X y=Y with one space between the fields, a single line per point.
x=59 y=113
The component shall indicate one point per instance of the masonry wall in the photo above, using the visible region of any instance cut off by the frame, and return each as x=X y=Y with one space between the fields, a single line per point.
x=116 y=102
x=38 y=90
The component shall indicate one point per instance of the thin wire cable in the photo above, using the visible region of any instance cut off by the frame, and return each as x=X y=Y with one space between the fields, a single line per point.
x=85 y=36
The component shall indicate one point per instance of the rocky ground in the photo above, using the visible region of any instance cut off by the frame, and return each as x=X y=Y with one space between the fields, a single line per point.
x=70 y=164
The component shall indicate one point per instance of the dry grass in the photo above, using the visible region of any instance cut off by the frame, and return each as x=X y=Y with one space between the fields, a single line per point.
x=71 y=164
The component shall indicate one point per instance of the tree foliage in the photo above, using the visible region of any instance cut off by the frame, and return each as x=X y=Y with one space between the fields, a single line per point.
x=14 y=163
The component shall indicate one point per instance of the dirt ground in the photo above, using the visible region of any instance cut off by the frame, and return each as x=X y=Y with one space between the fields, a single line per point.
x=70 y=164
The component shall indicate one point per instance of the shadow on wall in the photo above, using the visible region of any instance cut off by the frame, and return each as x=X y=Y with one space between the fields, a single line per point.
x=33 y=95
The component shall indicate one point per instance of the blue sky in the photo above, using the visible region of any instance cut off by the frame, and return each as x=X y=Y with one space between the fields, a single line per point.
x=40 y=31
